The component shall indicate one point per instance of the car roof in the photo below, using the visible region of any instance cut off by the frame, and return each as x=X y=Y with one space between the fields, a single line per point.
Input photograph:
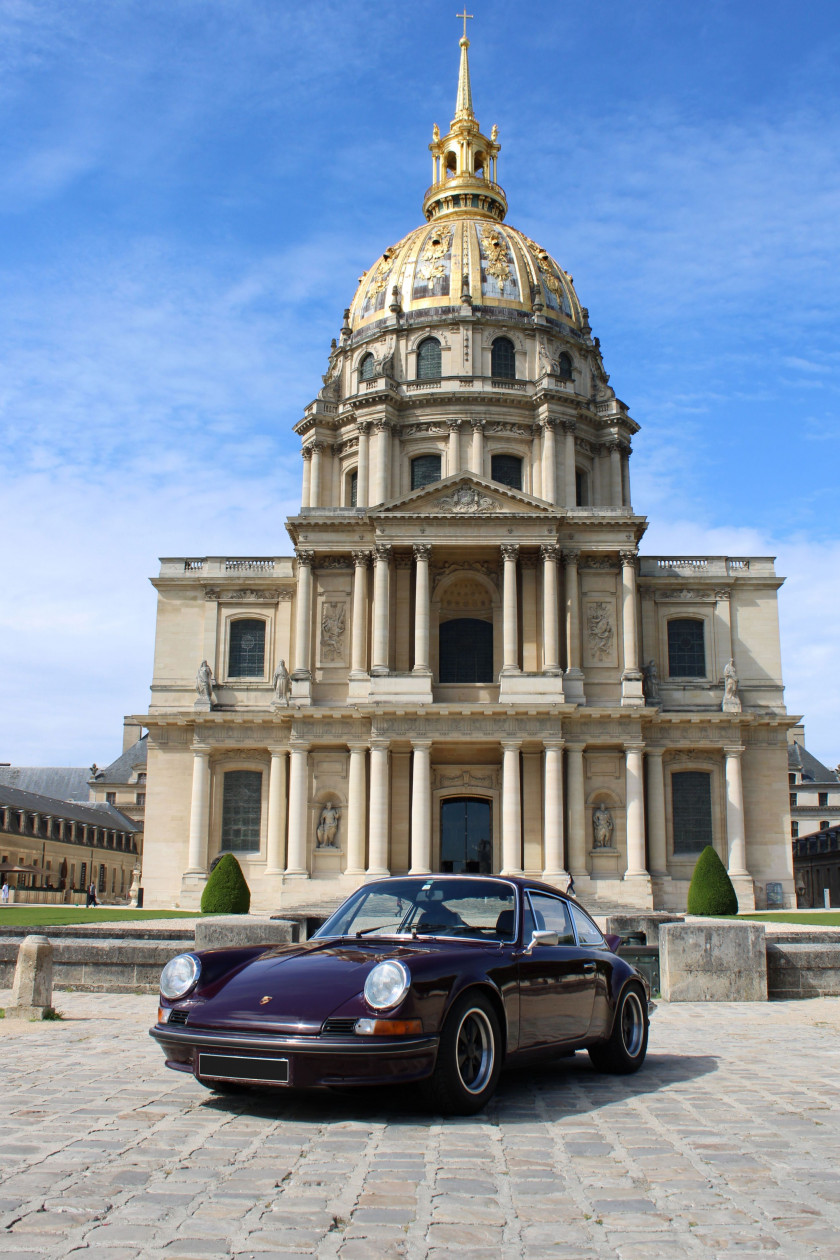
x=519 y=881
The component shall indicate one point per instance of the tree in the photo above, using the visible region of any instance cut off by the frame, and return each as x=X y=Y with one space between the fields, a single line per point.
x=711 y=891
x=226 y=891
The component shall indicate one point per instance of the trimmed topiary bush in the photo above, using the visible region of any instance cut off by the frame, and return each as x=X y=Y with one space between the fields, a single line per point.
x=226 y=891
x=711 y=891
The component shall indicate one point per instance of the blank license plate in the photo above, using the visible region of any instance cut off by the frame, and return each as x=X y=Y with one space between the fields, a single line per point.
x=242 y=1067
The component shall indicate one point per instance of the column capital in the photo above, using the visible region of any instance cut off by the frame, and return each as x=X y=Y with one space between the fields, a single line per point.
x=634 y=745
x=318 y=445
x=421 y=744
x=305 y=556
x=202 y=750
x=361 y=559
x=549 y=423
x=381 y=426
x=363 y=426
x=510 y=551
x=655 y=752
x=277 y=750
x=306 y=452
x=733 y=750
x=550 y=551
x=575 y=745
x=571 y=556
x=382 y=551
x=379 y=744
x=296 y=744
x=510 y=745
x=628 y=558
x=422 y=551
x=454 y=423
x=569 y=426
x=554 y=745
x=477 y=424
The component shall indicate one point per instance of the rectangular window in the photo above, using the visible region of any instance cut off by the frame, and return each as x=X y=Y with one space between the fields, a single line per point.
x=424 y=470
x=793 y=798
x=101 y=878
x=140 y=798
x=691 y=798
x=686 y=649
x=83 y=875
x=794 y=830
x=824 y=824
x=241 y=809
x=792 y=780
x=110 y=798
x=247 y=649
x=822 y=799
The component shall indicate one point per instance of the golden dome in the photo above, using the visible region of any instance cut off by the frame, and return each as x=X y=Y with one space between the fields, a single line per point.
x=464 y=257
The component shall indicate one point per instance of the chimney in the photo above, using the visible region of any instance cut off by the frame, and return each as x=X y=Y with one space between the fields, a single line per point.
x=131 y=733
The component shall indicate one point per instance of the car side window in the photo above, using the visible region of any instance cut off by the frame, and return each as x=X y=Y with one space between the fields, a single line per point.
x=551 y=915
x=587 y=932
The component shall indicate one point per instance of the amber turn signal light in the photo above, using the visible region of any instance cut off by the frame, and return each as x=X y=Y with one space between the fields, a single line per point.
x=161 y=1015
x=388 y=1027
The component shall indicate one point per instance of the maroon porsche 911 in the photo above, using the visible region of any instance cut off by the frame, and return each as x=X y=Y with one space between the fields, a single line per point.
x=437 y=979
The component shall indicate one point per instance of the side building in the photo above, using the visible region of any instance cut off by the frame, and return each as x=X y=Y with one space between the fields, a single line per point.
x=467 y=665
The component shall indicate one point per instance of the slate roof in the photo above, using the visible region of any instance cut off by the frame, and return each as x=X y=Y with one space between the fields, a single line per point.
x=121 y=770
x=96 y=813
x=812 y=771
x=63 y=783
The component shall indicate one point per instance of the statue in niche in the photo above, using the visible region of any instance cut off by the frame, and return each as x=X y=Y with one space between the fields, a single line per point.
x=327 y=829
x=282 y=683
x=204 y=684
x=650 y=682
x=602 y=827
x=731 y=699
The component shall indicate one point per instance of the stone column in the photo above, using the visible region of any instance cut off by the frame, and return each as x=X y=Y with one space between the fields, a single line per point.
x=576 y=842
x=358 y=655
x=574 y=673
x=363 y=469
x=303 y=619
x=615 y=474
x=454 y=461
x=381 y=609
x=549 y=462
x=736 y=837
x=631 y=678
x=199 y=812
x=422 y=552
x=657 y=835
x=383 y=459
x=569 y=467
x=276 y=825
x=510 y=624
x=356 y=810
x=307 y=476
x=379 y=813
x=635 y=796
x=625 y=474
x=477 y=447
x=511 y=810
x=551 y=624
x=597 y=493
x=555 y=870
x=421 y=807
x=298 y=808
x=315 y=479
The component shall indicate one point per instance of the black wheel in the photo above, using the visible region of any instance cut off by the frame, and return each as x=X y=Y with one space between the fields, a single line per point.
x=469 y=1058
x=626 y=1048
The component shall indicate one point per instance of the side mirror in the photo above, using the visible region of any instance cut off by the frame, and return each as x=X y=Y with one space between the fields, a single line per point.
x=542 y=938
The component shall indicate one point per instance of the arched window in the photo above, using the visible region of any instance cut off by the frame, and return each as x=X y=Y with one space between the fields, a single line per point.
x=466 y=651
x=564 y=367
x=241 y=806
x=428 y=359
x=424 y=470
x=503 y=359
x=691 y=799
x=246 y=658
x=366 y=368
x=507 y=470
x=686 y=649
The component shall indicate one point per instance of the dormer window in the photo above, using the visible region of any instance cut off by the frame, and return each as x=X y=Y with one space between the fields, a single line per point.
x=507 y=470
x=503 y=359
x=366 y=368
x=564 y=367
x=428 y=360
x=424 y=470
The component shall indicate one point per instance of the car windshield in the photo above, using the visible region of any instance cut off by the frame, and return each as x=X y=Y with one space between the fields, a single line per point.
x=480 y=909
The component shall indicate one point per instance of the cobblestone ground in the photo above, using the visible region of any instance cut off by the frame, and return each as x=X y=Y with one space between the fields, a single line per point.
x=725 y=1144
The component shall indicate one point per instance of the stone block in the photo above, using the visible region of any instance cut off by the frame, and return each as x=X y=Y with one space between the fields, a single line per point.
x=648 y=925
x=713 y=962
x=32 y=987
x=802 y=969
x=229 y=930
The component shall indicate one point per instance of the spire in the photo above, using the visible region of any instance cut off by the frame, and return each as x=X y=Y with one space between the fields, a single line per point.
x=463 y=101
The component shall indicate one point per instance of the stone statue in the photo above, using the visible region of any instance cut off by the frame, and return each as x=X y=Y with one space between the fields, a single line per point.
x=494 y=132
x=282 y=683
x=731 y=699
x=327 y=828
x=135 y=887
x=650 y=682
x=204 y=684
x=435 y=133
x=602 y=827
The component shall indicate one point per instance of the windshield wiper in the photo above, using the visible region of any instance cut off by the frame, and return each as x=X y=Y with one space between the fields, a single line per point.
x=377 y=928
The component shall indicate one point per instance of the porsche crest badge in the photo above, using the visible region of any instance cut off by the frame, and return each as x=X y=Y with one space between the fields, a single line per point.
x=263 y=1000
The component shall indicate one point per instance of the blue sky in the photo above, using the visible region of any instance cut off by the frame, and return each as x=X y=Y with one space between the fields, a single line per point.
x=189 y=191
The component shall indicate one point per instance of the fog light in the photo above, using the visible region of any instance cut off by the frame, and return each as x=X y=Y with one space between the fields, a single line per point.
x=388 y=1027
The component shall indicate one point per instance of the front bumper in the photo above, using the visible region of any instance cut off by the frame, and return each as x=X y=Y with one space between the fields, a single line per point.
x=313 y=1061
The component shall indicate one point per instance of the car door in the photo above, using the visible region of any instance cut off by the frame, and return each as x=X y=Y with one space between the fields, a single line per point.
x=556 y=982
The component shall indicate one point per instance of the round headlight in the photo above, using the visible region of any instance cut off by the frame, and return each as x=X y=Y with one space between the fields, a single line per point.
x=386 y=985
x=179 y=975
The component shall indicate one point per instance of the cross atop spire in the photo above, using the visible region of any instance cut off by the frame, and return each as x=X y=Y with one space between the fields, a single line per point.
x=465 y=15
x=463 y=101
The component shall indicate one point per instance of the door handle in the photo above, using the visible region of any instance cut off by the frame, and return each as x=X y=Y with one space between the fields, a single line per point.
x=589 y=966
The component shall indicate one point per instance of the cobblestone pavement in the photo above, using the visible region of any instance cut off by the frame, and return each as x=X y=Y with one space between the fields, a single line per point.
x=725 y=1144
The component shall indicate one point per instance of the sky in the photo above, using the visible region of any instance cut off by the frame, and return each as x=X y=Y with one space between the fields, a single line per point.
x=190 y=189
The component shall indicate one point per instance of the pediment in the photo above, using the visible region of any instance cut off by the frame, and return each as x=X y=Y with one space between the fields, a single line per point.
x=465 y=494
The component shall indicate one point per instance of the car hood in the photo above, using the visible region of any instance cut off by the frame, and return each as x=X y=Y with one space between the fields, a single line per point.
x=304 y=985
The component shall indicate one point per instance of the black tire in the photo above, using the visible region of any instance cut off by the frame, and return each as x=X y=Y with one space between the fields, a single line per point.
x=469 y=1058
x=626 y=1048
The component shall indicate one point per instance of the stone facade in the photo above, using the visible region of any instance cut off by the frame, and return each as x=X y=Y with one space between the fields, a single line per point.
x=466 y=617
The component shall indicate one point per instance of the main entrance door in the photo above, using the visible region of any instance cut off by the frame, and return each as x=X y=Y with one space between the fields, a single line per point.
x=466 y=844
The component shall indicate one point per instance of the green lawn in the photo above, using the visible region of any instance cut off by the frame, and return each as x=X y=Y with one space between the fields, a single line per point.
x=823 y=918
x=52 y=916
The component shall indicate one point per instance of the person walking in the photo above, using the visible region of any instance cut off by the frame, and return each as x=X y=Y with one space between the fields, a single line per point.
x=570 y=887
x=91 y=896
x=5 y=892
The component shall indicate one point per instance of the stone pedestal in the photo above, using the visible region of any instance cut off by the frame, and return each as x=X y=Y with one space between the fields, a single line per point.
x=413 y=688
x=301 y=690
x=531 y=688
x=573 y=686
x=32 y=987
x=744 y=891
x=713 y=962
